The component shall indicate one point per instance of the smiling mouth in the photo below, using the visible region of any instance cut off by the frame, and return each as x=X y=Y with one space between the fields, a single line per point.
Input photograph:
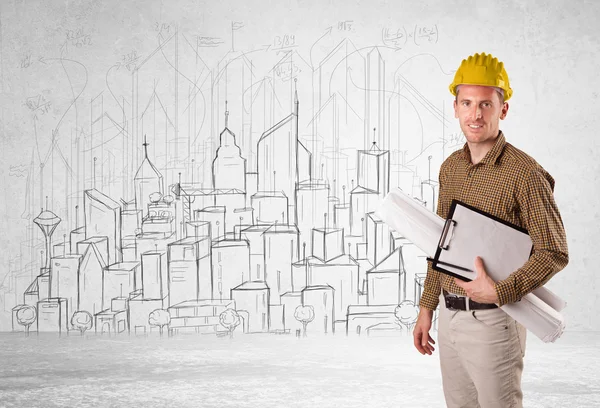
x=475 y=126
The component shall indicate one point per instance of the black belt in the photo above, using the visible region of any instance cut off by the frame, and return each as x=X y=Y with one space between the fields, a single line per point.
x=459 y=303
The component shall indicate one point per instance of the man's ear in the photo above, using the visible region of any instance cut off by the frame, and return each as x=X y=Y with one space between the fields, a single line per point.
x=455 y=109
x=504 y=110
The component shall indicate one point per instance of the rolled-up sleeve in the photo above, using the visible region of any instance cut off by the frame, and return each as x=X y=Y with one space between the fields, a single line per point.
x=541 y=218
x=432 y=289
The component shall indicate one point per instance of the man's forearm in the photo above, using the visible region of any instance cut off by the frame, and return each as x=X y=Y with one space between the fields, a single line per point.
x=538 y=270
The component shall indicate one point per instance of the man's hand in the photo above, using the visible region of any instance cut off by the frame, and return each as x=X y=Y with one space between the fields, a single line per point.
x=482 y=288
x=422 y=340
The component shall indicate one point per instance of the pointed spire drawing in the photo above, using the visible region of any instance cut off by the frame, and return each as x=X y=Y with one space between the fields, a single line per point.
x=147 y=180
x=282 y=140
x=374 y=147
x=145 y=144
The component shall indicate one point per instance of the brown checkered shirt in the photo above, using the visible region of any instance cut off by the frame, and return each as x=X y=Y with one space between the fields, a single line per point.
x=511 y=185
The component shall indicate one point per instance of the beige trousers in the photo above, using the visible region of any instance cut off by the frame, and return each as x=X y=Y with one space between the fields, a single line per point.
x=481 y=357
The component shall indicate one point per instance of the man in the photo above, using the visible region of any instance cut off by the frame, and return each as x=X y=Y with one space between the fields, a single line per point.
x=481 y=347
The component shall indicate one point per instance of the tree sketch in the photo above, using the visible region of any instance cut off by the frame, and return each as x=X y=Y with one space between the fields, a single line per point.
x=159 y=318
x=26 y=315
x=229 y=319
x=304 y=314
x=406 y=313
x=82 y=321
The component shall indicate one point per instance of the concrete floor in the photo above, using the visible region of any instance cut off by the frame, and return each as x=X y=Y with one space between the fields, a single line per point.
x=267 y=371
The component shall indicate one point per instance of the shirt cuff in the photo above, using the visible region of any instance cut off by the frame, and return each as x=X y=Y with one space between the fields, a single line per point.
x=506 y=292
x=427 y=301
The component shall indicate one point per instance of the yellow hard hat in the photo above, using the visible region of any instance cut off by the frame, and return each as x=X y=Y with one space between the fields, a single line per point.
x=482 y=69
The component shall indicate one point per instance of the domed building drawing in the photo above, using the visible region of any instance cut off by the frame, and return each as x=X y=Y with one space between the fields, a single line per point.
x=228 y=167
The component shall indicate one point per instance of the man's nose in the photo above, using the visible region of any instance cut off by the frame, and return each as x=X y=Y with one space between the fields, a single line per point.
x=476 y=112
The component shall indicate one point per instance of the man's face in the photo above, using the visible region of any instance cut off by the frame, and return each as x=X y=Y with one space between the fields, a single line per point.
x=479 y=110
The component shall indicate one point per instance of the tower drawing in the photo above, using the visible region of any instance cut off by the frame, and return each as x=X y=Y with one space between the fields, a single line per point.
x=47 y=221
x=147 y=180
x=276 y=174
x=229 y=167
x=373 y=174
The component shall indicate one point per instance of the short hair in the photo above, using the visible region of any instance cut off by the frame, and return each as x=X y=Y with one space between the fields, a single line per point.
x=500 y=92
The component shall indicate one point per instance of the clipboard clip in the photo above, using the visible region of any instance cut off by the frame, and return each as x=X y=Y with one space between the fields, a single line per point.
x=450 y=223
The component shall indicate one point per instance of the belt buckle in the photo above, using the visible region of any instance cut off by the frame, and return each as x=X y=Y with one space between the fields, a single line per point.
x=448 y=299
x=452 y=297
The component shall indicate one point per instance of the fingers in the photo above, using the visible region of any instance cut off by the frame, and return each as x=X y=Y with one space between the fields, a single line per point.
x=479 y=266
x=417 y=335
x=423 y=342
x=429 y=349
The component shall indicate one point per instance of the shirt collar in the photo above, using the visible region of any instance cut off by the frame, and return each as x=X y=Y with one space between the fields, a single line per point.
x=491 y=156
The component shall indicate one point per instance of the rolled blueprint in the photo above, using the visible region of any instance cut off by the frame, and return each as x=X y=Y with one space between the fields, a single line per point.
x=538 y=317
x=538 y=311
x=412 y=220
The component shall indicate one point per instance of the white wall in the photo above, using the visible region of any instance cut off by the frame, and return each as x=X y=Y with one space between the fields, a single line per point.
x=550 y=53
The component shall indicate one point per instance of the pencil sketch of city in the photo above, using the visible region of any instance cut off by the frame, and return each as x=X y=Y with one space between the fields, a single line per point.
x=191 y=195
x=229 y=197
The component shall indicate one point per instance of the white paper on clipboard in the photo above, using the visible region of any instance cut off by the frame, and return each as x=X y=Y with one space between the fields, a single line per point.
x=503 y=248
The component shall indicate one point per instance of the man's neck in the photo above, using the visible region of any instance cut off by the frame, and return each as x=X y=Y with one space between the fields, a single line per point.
x=479 y=150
